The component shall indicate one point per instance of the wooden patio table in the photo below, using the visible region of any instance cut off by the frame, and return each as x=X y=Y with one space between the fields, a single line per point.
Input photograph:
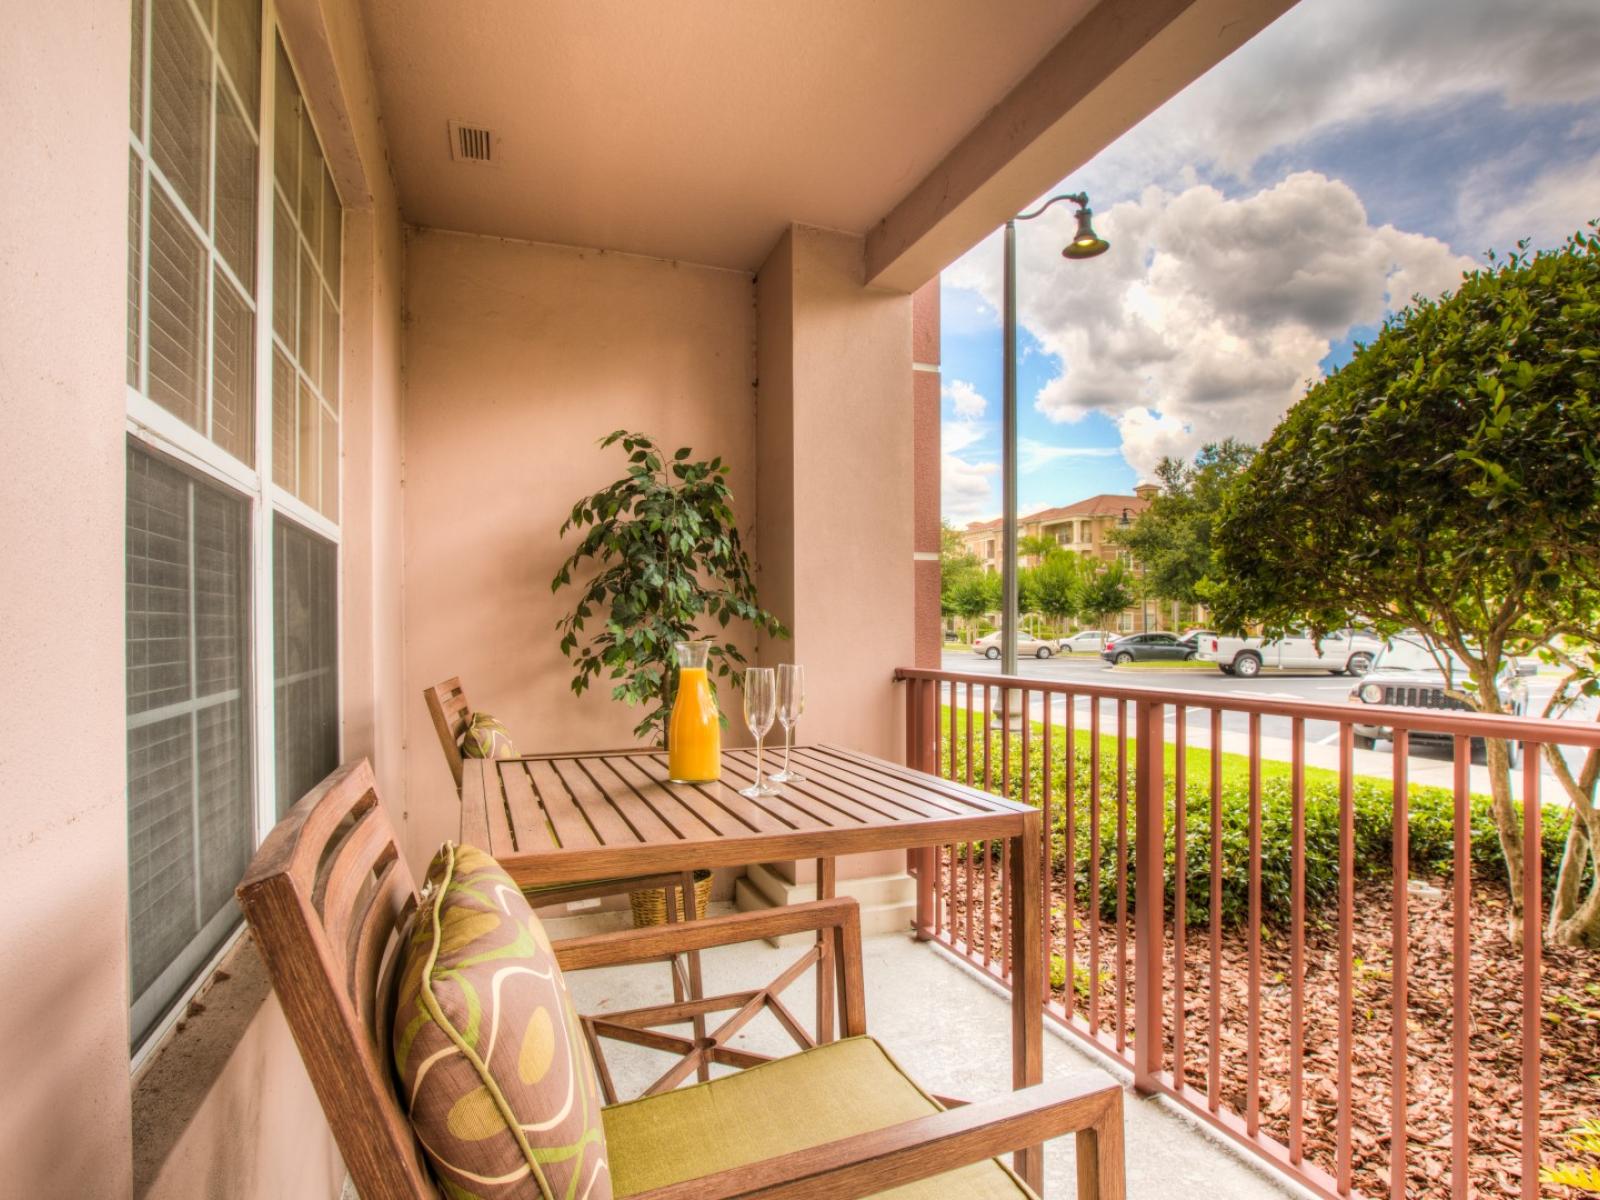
x=571 y=818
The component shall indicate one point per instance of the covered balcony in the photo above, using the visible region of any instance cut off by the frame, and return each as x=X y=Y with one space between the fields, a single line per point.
x=314 y=315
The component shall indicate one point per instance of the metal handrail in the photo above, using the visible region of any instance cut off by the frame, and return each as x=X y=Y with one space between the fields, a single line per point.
x=1542 y=730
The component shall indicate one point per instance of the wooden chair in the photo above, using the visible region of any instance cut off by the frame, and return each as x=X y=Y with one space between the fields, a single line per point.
x=327 y=897
x=447 y=705
x=451 y=713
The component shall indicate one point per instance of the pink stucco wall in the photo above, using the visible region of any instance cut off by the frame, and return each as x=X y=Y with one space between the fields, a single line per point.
x=67 y=1126
x=258 y=1133
x=63 y=841
x=519 y=357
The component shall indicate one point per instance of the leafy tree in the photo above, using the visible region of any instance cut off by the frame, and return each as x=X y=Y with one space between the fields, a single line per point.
x=1107 y=593
x=957 y=566
x=667 y=557
x=1036 y=546
x=975 y=595
x=1448 y=479
x=1172 y=538
x=956 y=563
x=1058 y=584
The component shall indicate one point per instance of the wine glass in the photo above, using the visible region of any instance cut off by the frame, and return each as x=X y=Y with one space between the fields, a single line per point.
x=760 y=706
x=791 y=703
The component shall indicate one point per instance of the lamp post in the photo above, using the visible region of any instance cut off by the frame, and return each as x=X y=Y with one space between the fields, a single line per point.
x=1085 y=243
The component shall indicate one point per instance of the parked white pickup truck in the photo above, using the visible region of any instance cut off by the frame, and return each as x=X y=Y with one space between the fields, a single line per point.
x=1344 y=652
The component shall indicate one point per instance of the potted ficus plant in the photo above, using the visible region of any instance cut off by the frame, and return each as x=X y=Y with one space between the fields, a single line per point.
x=668 y=563
x=660 y=562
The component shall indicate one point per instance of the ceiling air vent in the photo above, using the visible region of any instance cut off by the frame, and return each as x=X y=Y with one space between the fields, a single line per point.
x=471 y=143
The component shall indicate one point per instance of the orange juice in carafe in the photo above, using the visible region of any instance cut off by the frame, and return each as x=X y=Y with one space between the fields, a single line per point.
x=694 y=731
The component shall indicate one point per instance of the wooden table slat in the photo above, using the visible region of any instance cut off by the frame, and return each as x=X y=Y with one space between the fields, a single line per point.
x=958 y=797
x=795 y=801
x=598 y=807
x=887 y=793
x=700 y=809
x=494 y=802
x=614 y=775
x=532 y=824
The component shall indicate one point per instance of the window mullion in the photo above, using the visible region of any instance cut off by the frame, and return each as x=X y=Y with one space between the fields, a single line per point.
x=194 y=723
x=262 y=631
x=211 y=257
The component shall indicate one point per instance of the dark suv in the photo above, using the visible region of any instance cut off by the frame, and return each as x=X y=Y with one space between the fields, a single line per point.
x=1407 y=674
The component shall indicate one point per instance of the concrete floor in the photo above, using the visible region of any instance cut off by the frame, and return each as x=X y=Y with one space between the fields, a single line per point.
x=950 y=1029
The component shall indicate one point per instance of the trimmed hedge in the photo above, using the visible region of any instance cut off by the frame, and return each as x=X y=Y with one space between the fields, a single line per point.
x=1431 y=824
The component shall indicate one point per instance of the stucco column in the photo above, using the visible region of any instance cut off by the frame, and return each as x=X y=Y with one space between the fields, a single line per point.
x=836 y=514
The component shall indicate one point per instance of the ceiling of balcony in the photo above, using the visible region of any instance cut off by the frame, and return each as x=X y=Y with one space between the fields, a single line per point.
x=689 y=129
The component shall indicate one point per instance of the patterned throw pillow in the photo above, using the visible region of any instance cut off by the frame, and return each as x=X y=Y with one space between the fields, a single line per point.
x=484 y=737
x=493 y=1067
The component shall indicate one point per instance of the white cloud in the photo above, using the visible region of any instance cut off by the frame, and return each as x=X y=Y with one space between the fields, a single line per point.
x=1034 y=455
x=967 y=400
x=1550 y=205
x=956 y=436
x=966 y=490
x=1209 y=315
x=1325 y=65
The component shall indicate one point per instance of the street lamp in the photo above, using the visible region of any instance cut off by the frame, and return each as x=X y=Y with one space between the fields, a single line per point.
x=1085 y=243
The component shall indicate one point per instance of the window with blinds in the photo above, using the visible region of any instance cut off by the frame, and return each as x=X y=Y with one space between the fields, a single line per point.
x=305 y=678
x=306 y=233
x=190 y=792
x=233 y=346
x=192 y=214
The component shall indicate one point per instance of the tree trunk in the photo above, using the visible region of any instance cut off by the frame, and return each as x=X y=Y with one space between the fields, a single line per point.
x=1575 y=921
x=1507 y=821
x=1574 y=917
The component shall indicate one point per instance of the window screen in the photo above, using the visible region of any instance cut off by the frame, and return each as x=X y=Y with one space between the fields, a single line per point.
x=190 y=798
x=306 y=674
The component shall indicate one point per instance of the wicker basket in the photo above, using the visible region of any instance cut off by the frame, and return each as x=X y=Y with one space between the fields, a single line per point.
x=650 y=905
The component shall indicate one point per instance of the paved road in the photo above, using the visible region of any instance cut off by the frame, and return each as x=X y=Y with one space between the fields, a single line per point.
x=1316 y=686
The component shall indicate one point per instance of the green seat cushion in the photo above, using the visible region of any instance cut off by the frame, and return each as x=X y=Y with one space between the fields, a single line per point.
x=495 y=1074
x=818 y=1096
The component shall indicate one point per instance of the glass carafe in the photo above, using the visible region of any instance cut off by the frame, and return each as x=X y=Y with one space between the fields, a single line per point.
x=694 y=731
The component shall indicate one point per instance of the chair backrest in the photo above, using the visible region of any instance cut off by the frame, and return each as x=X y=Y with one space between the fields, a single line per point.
x=327 y=896
x=448 y=706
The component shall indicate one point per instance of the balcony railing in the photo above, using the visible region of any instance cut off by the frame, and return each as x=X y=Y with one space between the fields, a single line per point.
x=1250 y=1008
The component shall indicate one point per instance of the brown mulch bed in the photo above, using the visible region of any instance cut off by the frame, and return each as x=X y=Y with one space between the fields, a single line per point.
x=1570 y=1072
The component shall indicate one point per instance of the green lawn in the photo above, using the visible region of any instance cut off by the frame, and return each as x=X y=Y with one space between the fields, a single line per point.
x=1235 y=767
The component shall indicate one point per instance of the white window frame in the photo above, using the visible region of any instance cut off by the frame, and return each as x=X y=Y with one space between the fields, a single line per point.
x=159 y=429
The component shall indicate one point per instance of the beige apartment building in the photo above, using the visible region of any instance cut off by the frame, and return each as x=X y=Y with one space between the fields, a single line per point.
x=1084 y=528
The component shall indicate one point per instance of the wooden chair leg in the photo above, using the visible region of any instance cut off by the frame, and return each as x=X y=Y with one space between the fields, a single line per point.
x=825 y=890
x=670 y=895
x=696 y=984
x=1101 y=1170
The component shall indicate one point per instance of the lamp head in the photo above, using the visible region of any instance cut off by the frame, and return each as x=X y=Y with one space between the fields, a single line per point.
x=1086 y=243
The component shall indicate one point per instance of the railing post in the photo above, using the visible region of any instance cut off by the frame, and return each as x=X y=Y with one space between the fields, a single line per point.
x=920 y=716
x=1149 y=923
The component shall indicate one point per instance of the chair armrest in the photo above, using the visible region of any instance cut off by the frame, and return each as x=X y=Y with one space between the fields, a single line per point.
x=1089 y=1104
x=663 y=941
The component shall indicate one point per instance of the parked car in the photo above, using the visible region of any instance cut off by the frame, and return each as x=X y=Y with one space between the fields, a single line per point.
x=1089 y=641
x=989 y=645
x=1343 y=651
x=1147 y=647
x=1193 y=636
x=1407 y=673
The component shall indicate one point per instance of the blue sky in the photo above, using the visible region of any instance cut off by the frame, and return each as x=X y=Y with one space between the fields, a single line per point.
x=1262 y=222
